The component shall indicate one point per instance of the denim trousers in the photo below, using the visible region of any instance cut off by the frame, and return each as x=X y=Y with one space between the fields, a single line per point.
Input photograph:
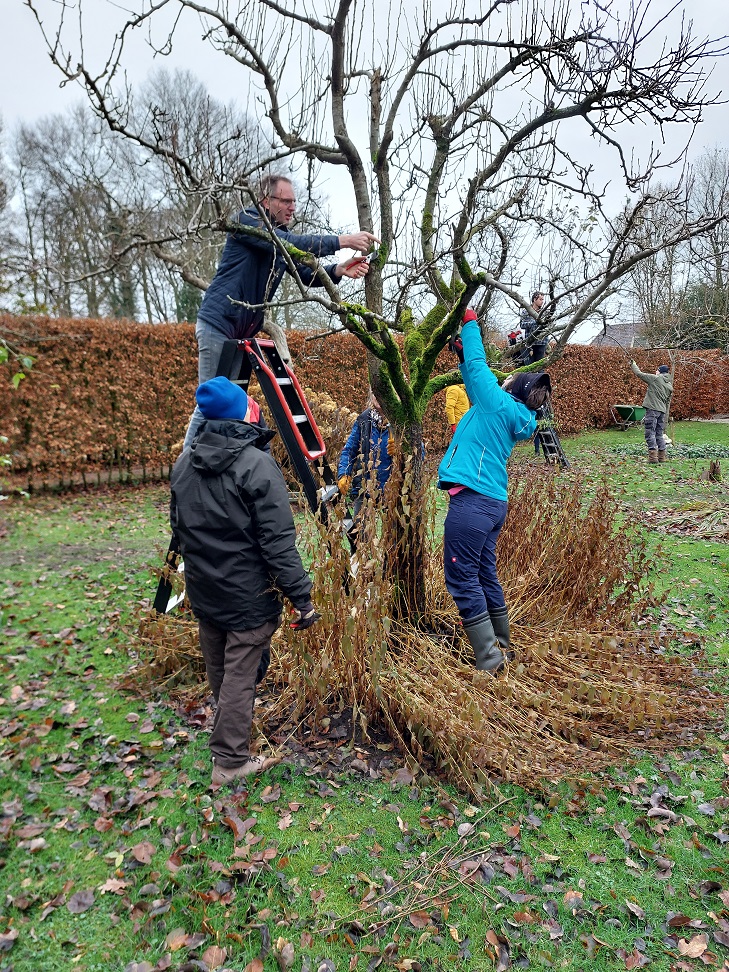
x=210 y=343
x=472 y=528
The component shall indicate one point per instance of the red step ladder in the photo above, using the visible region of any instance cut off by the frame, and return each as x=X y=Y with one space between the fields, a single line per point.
x=295 y=423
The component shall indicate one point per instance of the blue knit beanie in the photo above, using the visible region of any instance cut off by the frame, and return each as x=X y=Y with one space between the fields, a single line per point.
x=219 y=398
x=663 y=369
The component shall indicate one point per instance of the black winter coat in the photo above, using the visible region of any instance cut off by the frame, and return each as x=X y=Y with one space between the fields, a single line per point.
x=231 y=513
x=250 y=271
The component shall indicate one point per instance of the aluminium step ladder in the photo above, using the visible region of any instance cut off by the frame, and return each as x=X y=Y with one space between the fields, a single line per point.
x=294 y=421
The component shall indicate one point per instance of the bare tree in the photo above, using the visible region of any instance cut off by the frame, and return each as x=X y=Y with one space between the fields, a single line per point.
x=680 y=295
x=458 y=126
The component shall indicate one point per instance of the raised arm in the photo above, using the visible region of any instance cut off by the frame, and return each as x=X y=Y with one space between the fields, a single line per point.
x=481 y=385
x=319 y=245
x=640 y=374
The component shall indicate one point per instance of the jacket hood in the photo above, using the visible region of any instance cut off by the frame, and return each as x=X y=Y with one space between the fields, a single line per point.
x=221 y=441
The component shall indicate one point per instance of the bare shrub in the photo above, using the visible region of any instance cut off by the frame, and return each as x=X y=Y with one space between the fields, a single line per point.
x=583 y=690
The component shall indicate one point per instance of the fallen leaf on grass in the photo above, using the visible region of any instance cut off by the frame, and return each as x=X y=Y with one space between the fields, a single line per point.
x=80 y=902
x=270 y=794
x=239 y=827
x=176 y=939
x=635 y=909
x=678 y=921
x=143 y=852
x=420 y=919
x=636 y=959
x=7 y=940
x=285 y=821
x=255 y=965
x=500 y=954
x=468 y=869
x=284 y=954
x=29 y=831
x=524 y=917
x=139 y=967
x=693 y=948
x=573 y=899
x=214 y=956
x=113 y=886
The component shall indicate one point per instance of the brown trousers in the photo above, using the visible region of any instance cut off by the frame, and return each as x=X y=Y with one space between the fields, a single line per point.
x=231 y=663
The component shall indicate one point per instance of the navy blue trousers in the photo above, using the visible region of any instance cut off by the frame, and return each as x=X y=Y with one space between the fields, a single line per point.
x=472 y=528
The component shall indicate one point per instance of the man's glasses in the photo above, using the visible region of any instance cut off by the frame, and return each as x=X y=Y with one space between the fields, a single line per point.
x=288 y=202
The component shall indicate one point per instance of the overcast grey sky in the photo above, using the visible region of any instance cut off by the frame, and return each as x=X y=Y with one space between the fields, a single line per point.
x=30 y=85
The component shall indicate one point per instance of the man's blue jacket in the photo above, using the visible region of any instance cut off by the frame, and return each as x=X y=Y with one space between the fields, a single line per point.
x=486 y=434
x=250 y=270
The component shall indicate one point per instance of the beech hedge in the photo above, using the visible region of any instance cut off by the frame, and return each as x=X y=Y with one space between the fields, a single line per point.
x=115 y=395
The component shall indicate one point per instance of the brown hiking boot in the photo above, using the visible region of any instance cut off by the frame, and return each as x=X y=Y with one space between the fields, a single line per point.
x=662 y=455
x=252 y=767
x=653 y=455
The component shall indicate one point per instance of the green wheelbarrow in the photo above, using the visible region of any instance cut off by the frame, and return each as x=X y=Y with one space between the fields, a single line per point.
x=626 y=415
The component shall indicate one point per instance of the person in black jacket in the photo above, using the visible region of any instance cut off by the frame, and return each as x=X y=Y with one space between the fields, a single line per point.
x=250 y=270
x=231 y=513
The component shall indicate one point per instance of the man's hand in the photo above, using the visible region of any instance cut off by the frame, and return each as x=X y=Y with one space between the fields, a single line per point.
x=390 y=446
x=344 y=482
x=355 y=268
x=304 y=618
x=361 y=241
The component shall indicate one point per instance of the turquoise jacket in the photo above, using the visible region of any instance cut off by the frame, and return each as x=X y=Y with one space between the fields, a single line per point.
x=486 y=434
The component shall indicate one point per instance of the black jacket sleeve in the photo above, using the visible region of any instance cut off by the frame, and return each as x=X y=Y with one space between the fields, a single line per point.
x=261 y=485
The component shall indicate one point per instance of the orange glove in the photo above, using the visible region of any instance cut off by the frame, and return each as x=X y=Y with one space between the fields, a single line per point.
x=344 y=482
x=390 y=446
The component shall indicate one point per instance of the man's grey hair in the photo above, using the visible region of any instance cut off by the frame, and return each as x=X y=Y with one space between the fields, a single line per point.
x=267 y=185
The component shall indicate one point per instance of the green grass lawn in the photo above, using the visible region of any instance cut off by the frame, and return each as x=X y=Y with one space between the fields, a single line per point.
x=117 y=855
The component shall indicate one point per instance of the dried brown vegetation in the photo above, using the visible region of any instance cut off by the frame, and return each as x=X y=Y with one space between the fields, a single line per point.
x=585 y=688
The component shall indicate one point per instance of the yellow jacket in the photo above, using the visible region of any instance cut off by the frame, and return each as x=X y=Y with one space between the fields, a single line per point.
x=456 y=403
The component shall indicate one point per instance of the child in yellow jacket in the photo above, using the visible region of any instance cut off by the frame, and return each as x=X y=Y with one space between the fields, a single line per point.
x=456 y=404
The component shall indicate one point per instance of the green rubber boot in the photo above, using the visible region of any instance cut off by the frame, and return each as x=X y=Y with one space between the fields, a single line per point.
x=480 y=633
x=500 y=622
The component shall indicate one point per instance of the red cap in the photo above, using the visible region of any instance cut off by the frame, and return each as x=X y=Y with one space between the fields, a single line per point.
x=470 y=315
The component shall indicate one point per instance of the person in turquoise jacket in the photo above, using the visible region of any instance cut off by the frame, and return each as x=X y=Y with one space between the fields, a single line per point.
x=473 y=471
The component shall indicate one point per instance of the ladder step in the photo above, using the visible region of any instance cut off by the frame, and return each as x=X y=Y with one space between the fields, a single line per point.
x=284 y=381
x=300 y=419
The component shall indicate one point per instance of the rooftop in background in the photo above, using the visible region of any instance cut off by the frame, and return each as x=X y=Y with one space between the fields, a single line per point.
x=626 y=335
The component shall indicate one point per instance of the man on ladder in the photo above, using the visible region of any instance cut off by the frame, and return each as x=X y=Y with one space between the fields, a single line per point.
x=252 y=267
